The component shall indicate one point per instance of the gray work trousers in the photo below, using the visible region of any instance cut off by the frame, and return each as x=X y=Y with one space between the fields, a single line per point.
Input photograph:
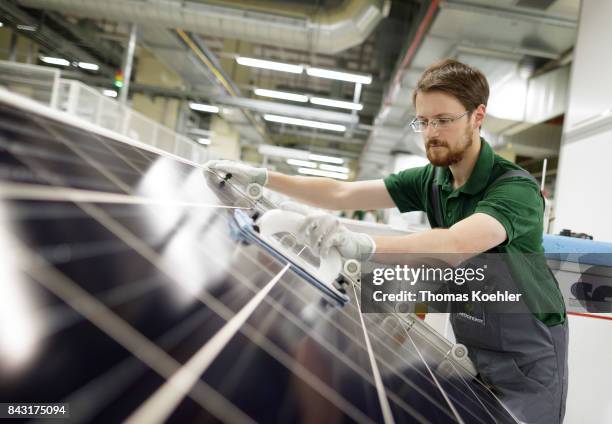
x=532 y=380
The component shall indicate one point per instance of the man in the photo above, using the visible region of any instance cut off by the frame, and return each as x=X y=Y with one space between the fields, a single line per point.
x=523 y=358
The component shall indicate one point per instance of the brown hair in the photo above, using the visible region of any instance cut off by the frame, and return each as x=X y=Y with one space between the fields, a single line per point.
x=466 y=84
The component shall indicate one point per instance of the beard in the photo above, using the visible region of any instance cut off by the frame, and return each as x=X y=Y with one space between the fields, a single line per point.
x=443 y=155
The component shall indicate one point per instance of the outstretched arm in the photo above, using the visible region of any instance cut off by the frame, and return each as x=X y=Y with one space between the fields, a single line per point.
x=324 y=193
x=332 y=194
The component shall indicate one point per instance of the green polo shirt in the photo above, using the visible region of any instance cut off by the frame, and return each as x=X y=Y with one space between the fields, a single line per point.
x=515 y=202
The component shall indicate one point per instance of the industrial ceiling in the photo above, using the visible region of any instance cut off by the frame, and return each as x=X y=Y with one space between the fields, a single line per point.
x=523 y=46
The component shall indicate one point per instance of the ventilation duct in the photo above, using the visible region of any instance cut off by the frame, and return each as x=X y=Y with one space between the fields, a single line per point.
x=327 y=31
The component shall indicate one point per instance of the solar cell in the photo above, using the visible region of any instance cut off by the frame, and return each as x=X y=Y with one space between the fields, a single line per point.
x=131 y=300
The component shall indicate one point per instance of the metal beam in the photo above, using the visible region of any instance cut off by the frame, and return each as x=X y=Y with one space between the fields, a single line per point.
x=48 y=37
x=12 y=56
x=87 y=37
x=128 y=61
x=323 y=136
x=182 y=93
x=322 y=150
x=336 y=152
x=195 y=45
x=264 y=106
x=502 y=51
x=521 y=14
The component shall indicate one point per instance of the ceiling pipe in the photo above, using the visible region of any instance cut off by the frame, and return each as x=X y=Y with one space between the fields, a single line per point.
x=519 y=13
x=407 y=59
x=192 y=42
x=327 y=31
x=54 y=43
x=417 y=39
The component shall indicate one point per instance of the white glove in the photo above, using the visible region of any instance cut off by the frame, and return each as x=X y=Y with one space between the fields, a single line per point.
x=241 y=173
x=322 y=231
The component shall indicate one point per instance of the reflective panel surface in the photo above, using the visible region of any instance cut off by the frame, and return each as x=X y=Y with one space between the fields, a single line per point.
x=125 y=295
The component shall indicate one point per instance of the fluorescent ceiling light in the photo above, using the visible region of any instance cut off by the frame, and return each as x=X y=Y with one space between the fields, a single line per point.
x=328 y=159
x=304 y=122
x=303 y=163
x=283 y=152
x=336 y=103
x=26 y=27
x=318 y=173
x=90 y=66
x=203 y=140
x=204 y=108
x=303 y=155
x=281 y=95
x=109 y=93
x=268 y=64
x=337 y=75
x=54 y=60
x=334 y=168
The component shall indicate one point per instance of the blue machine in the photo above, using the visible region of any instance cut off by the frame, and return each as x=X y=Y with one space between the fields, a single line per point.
x=584 y=271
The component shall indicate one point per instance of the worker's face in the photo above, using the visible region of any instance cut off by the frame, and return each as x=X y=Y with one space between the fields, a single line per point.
x=446 y=146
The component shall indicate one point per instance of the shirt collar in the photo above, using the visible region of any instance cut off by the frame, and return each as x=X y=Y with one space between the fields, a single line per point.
x=480 y=174
x=442 y=178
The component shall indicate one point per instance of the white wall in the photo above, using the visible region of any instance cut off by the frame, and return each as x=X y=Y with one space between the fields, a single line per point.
x=583 y=203
x=583 y=200
x=589 y=398
x=590 y=82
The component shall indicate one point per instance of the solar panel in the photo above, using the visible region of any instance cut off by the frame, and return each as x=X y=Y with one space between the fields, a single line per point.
x=125 y=296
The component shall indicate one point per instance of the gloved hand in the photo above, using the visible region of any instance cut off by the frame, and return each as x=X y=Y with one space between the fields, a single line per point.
x=322 y=231
x=241 y=173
